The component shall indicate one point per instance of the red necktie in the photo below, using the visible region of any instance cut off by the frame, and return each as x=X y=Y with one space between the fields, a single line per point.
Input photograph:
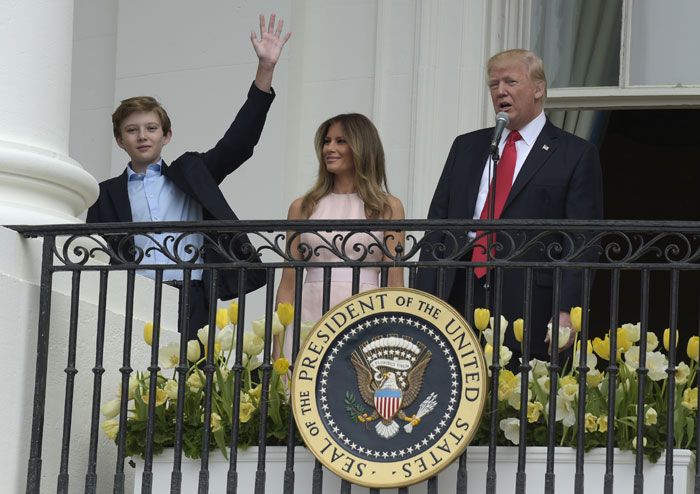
x=504 y=181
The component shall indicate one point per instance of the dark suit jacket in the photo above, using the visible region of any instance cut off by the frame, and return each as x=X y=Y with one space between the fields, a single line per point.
x=560 y=179
x=199 y=175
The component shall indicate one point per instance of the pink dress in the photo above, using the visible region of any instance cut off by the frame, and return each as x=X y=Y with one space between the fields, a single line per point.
x=336 y=207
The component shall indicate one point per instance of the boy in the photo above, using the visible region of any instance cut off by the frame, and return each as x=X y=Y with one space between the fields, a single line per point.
x=187 y=189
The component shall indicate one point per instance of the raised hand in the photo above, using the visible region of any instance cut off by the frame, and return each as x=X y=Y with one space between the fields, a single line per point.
x=269 y=47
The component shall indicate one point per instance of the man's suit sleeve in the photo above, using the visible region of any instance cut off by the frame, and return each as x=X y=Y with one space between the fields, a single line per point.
x=237 y=144
x=426 y=278
x=439 y=206
x=584 y=200
x=585 y=197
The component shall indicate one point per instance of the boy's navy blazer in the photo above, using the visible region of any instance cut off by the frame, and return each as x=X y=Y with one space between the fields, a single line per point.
x=199 y=175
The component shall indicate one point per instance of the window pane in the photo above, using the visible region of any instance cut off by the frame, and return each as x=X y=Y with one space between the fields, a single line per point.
x=665 y=41
x=579 y=41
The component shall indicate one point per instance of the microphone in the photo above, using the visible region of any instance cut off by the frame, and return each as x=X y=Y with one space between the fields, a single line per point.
x=502 y=120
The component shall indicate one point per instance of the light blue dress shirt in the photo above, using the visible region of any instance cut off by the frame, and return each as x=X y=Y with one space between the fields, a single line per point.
x=155 y=198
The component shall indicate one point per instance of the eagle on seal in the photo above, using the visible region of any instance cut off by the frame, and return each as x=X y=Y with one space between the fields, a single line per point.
x=390 y=373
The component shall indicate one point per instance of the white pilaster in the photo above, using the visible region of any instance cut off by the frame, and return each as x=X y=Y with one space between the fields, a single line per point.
x=39 y=183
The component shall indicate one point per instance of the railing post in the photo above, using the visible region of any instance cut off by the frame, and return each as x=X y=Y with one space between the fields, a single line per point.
x=266 y=375
x=42 y=355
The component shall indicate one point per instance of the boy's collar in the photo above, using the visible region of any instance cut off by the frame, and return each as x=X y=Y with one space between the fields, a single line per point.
x=152 y=169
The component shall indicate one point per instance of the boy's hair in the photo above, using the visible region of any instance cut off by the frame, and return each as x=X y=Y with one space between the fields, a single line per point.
x=139 y=104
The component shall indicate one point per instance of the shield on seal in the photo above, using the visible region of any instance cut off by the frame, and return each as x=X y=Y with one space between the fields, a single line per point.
x=387 y=401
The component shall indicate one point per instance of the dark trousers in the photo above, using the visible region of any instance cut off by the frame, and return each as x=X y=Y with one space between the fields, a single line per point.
x=512 y=306
x=198 y=315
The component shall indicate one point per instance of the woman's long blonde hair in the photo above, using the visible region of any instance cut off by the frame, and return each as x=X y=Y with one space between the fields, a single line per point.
x=368 y=156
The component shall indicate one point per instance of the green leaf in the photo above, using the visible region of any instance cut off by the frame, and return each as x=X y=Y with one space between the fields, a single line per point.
x=689 y=430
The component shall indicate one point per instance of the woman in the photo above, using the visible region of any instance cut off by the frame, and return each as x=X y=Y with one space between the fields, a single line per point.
x=351 y=184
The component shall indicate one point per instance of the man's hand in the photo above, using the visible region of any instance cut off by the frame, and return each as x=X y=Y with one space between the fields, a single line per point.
x=564 y=322
x=268 y=49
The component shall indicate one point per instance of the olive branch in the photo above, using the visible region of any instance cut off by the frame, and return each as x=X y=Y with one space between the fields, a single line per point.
x=353 y=408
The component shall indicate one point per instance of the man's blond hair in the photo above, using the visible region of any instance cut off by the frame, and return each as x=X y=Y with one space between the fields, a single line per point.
x=534 y=65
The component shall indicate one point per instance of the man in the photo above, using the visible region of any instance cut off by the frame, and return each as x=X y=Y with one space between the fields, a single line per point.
x=187 y=189
x=543 y=173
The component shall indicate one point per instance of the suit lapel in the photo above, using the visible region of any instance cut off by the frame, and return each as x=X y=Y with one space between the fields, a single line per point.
x=194 y=180
x=119 y=195
x=544 y=147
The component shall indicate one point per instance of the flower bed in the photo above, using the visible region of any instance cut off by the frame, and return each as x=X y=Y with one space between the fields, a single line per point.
x=222 y=402
x=597 y=419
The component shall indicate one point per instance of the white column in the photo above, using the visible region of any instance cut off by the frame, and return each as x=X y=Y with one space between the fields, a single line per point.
x=39 y=183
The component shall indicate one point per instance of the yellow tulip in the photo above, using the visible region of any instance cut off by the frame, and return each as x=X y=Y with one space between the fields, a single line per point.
x=667 y=338
x=566 y=380
x=692 y=350
x=603 y=423
x=594 y=378
x=215 y=422
x=148 y=333
x=161 y=397
x=481 y=318
x=255 y=392
x=507 y=382
x=246 y=411
x=518 y=329
x=233 y=312
x=111 y=428
x=488 y=353
x=221 y=318
x=690 y=399
x=591 y=422
x=602 y=347
x=285 y=312
x=533 y=411
x=281 y=366
x=575 y=316
x=624 y=340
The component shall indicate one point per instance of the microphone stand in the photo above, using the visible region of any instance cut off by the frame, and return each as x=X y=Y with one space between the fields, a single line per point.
x=490 y=214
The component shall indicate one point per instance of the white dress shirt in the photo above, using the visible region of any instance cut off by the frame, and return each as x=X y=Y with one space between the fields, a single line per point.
x=529 y=135
x=155 y=198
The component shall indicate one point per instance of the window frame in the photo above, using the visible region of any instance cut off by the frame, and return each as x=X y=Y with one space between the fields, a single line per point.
x=623 y=96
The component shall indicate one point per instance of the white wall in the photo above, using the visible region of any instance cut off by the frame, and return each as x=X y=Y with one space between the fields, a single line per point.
x=92 y=88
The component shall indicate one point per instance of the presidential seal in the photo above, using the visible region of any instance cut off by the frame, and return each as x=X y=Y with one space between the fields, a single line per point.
x=389 y=387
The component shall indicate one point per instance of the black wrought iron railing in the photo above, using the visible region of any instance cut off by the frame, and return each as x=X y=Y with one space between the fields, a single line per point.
x=618 y=272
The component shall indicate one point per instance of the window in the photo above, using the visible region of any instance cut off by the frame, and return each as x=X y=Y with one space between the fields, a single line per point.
x=603 y=54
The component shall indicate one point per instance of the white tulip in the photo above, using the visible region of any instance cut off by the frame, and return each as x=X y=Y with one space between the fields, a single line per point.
x=194 y=353
x=511 y=429
x=111 y=408
x=169 y=356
